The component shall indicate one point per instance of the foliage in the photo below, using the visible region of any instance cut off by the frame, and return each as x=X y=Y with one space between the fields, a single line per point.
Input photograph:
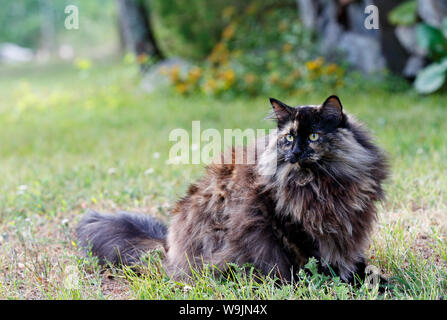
x=283 y=60
x=434 y=40
x=431 y=78
x=21 y=21
x=18 y=25
x=404 y=14
x=177 y=28
x=192 y=28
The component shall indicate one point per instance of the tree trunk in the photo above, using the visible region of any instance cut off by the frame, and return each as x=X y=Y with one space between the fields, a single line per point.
x=136 y=29
x=308 y=11
x=392 y=50
x=48 y=34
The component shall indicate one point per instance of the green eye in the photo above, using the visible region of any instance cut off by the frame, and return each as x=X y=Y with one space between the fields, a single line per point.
x=314 y=136
x=289 y=137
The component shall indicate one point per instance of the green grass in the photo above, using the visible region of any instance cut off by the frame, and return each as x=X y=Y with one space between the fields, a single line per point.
x=72 y=140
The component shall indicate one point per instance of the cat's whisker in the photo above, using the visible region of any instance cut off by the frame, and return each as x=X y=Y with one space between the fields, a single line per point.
x=329 y=174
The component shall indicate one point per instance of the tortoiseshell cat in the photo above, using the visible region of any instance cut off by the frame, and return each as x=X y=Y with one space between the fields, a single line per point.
x=311 y=192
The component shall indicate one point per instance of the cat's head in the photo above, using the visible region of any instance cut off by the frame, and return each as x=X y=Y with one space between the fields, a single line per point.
x=306 y=133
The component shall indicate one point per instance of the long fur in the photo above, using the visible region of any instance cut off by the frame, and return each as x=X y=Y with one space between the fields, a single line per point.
x=120 y=238
x=274 y=218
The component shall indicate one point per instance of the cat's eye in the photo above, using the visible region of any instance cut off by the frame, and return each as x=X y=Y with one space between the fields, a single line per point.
x=314 y=136
x=289 y=137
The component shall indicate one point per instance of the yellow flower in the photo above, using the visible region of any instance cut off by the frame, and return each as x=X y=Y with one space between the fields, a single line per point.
x=287 y=47
x=229 y=78
x=83 y=64
x=194 y=74
x=229 y=75
x=219 y=53
x=212 y=83
x=314 y=64
x=311 y=65
x=174 y=73
x=209 y=86
x=229 y=31
x=181 y=88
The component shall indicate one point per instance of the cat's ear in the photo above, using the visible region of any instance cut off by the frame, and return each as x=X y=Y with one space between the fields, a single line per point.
x=332 y=110
x=282 y=111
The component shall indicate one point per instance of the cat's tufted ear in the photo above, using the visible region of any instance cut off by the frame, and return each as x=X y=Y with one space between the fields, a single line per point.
x=332 y=110
x=282 y=111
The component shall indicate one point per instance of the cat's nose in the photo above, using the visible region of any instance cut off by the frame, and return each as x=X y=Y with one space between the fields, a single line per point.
x=297 y=151
x=295 y=156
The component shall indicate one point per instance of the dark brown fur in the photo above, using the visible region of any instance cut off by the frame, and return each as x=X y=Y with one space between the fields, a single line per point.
x=321 y=205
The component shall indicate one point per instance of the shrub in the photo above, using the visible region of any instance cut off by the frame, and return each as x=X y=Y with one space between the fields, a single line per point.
x=434 y=40
x=431 y=39
x=263 y=48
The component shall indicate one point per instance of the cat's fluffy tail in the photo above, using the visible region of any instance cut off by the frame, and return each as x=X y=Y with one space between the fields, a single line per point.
x=120 y=238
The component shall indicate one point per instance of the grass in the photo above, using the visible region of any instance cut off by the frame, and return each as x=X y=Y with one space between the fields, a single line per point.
x=73 y=140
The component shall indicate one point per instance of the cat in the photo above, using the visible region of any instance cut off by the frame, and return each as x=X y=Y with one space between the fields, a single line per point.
x=311 y=192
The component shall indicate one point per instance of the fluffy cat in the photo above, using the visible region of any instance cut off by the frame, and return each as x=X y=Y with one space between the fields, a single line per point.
x=310 y=193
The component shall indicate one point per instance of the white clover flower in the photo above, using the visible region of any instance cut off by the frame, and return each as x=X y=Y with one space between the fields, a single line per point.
x=22 y=189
